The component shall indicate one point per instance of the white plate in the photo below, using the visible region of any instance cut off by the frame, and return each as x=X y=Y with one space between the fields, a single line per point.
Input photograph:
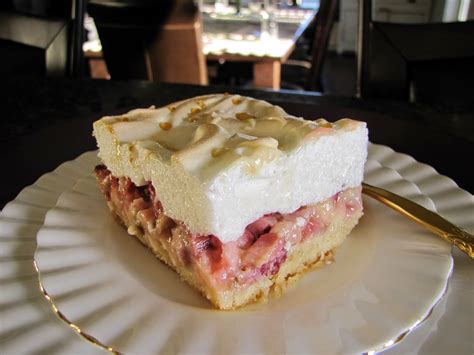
x=21 y=217
x=27 y=324
x=387 y=277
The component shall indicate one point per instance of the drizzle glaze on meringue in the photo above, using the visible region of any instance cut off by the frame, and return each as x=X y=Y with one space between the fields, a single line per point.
x=240 y=128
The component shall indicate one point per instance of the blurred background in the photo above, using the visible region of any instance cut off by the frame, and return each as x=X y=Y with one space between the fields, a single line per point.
x=411 y=50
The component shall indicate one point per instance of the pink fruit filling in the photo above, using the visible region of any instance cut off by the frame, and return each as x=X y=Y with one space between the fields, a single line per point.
x=258 y=253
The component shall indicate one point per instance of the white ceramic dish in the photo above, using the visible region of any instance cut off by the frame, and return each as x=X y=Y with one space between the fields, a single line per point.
x=178 y=327
x=387 y=277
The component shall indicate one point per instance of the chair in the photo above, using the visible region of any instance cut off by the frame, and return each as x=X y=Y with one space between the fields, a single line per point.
x=41 y=38
x=176 y=54
x=151 y=40
x=429 y=63
x=310 y=69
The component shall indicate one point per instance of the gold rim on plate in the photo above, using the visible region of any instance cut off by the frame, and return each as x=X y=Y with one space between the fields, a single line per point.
x=93 y=340
x=63 y=318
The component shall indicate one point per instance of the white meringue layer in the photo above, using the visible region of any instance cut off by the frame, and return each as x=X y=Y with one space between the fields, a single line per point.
x=219 y=162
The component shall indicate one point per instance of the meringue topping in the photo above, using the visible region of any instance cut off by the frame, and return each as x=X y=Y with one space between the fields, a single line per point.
x=221 y=151
x=239 y=128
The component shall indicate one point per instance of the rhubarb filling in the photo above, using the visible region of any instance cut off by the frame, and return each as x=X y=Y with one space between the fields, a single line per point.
x=258 y=253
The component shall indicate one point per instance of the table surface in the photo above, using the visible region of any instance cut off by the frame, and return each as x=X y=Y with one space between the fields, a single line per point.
x=46 y=122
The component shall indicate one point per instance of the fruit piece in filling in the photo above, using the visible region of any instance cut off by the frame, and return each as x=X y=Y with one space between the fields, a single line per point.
x=271 y=249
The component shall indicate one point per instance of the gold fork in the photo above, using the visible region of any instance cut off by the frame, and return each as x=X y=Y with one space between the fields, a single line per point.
x=430 y=220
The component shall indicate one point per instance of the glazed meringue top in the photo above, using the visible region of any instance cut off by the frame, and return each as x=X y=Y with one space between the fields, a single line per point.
x=209 y=158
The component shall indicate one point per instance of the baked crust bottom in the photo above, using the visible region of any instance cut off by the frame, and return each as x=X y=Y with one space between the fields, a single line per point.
x=169 y=241
x=313 y=253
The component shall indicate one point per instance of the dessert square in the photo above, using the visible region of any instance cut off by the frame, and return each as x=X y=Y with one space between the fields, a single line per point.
x=233 y=193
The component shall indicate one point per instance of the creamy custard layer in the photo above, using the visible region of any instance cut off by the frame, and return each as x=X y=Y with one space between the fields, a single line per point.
x=219 y=162
x=223 y=271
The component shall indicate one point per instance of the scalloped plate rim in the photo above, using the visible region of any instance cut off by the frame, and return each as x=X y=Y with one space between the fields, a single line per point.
x=393 y=152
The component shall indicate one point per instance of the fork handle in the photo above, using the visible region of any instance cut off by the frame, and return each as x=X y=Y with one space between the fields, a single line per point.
x=430 y=220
